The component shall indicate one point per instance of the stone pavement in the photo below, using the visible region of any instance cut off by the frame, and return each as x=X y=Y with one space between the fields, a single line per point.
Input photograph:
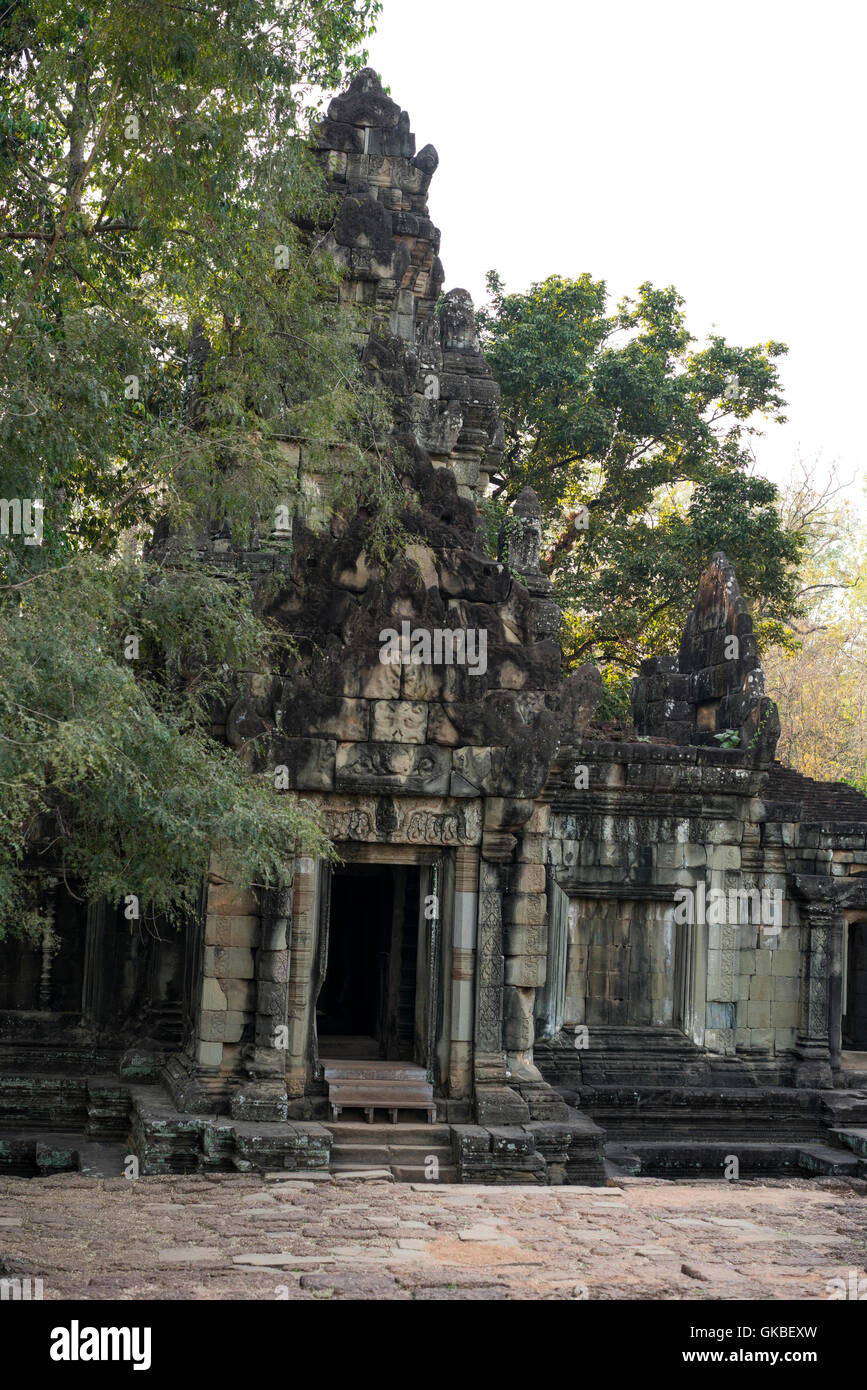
x=226 y=1236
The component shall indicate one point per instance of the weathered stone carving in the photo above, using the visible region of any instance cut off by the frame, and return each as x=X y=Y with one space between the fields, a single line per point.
x=715 y=683
x=408 y=823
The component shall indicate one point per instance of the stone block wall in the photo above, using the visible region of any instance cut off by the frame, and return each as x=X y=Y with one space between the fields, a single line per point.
x=227 y=1002
x=651 y=821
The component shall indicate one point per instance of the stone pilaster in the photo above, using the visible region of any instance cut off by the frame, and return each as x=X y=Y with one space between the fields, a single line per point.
x=496 y=1102
x=201 y=1077
x=812 y=1048
x=263 y=1095
x=302 y=986
x=466 y=911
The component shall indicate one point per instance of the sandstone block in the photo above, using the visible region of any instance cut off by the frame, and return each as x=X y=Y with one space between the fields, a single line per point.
x=399 y=721
x=209 y=1054
x=273 y=966
x=351 y=722
x=213 y=997
x=232 y=962
x=240 y=995
x=381 y=682
x=527 y=972
x=524 y=909
x=528 y=878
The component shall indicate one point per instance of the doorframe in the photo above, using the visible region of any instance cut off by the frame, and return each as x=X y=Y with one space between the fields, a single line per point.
x=429 y=954
x=850 y=920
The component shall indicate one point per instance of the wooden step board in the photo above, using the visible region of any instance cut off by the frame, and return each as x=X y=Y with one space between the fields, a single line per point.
x=349 y=1072
x=392 y=1096
x=371 y=1084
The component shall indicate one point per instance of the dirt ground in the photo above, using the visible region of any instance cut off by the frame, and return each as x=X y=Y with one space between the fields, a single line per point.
x=229 y=1237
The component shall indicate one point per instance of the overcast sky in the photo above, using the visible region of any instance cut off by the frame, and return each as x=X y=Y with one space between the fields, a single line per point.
x=719 y=148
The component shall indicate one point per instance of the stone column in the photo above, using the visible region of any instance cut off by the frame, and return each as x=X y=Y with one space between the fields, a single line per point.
x=465 y=921
x=302 y=984
x=551 y=999
x=263 y=1096
x=489 y=976
x=223 y=998
x=226 y=997
x=723 y=947
x=526 y=944
x=812 y=1048
x=496 y=1102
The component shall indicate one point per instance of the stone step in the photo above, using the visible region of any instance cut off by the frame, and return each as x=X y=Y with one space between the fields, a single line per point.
x=363 y=1174
x=418 y=1153
x=352 y=1132
x=641 y=1039
x=620 y=1162
x=688 y=1097
x=855 y=1078
x=730 y=1115
x=826 y=1161
x=349 y=1046
x=417 y=1172
x=698 y=1158
x=97 y=1160
x=706 y=1130
x=843 y=1109
x=854 y=1139
x=360 y=1155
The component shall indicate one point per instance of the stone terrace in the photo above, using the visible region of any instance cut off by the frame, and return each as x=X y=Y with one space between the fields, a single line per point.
x=242 y=1237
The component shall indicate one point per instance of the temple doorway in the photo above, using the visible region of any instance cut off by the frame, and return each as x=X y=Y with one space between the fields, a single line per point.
x=855 y=989
x=367 y=1006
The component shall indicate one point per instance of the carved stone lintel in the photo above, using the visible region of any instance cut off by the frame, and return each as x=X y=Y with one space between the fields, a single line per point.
x=409 y=821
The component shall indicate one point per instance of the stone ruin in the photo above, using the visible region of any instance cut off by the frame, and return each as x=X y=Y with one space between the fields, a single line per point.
x=549 y=950
x=715 y=684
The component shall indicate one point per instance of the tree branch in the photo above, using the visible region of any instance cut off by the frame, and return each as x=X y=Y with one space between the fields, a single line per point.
x=74 y=196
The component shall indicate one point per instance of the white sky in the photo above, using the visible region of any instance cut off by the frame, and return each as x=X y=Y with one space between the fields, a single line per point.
x=719 y=148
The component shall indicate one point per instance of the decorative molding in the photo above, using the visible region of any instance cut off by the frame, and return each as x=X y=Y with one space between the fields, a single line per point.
x=410 y=823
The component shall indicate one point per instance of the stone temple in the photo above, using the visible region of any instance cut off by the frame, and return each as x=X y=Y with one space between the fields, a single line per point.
x=551 y=948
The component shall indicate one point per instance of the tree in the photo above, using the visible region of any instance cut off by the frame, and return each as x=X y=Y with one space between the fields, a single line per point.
x=638 y=443
x=819 y=677
x=154 y=173
x=166 y=319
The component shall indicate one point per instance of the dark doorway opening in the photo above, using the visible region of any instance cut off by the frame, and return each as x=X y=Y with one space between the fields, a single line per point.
x=855 y=1017
x=367 y=1004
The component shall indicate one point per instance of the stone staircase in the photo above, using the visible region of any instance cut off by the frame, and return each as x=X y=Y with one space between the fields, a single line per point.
x=683 y=1132
x=369 y=1084
x=398 y=1152
x=96 y=1106
x=638 y=1056
x=44 y=1153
